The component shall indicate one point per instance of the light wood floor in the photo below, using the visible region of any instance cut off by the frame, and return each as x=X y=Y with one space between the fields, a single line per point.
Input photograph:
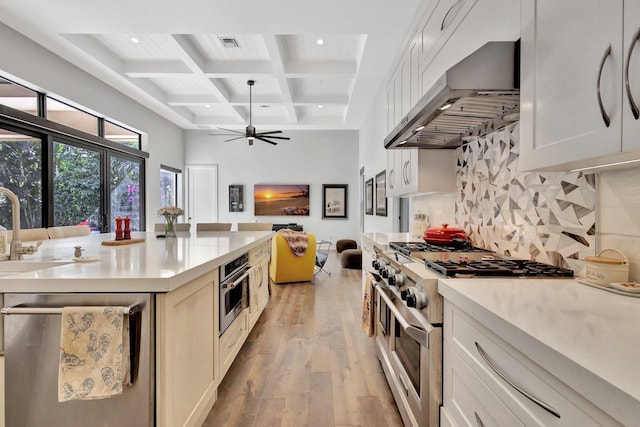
x=307 y=362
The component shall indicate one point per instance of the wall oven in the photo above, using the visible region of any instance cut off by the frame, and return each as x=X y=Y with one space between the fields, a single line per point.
x=234 y=290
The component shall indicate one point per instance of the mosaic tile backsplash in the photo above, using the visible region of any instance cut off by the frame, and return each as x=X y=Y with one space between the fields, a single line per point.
x=549 y=217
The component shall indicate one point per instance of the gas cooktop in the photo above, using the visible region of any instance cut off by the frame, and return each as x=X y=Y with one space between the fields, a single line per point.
x=497 y=268
x=410 y=248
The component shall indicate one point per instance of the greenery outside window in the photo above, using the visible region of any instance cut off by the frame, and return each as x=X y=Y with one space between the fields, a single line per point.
x=169 y=185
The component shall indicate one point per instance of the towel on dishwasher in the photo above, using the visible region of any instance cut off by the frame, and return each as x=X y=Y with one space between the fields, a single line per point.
x=94 y=353
x=368 y=312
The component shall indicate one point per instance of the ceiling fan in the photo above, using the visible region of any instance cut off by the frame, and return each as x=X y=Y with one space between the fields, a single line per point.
x=250 y=131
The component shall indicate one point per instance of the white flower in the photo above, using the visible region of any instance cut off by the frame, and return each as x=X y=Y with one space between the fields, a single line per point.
x=171 y=211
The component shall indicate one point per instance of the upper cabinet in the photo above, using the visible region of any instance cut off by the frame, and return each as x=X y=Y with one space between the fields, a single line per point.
x=413 y=171
x=576 y=109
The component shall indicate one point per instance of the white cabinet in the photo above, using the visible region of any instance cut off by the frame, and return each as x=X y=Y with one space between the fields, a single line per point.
x=438 y=25
x=258 y=282
x=186 y=336
x=418 y=171
x=485 y=375
x=575 y=109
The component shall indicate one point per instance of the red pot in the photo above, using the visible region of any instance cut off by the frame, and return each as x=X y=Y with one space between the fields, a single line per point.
x=444 y=235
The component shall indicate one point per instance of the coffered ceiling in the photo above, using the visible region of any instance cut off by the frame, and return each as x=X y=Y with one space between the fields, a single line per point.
x=190 y=60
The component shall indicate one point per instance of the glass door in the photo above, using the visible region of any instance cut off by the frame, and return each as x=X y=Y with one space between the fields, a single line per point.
x=21 y=172
x=125 y=190
x=77 y=186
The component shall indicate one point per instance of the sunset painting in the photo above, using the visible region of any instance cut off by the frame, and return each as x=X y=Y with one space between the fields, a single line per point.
x=281 y=199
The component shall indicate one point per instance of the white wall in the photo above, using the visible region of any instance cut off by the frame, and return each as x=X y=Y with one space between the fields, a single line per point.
x=373 y=157
x=30 y=62
x=311 y=157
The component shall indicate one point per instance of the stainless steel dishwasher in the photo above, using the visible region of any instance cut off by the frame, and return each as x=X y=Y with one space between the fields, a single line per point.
x=32 y=352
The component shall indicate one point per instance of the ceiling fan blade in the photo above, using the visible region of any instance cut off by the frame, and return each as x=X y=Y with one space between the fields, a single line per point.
x=266 y=140
x=231 y=130
x=273 y=137
x=268 y=133
x=233 y=139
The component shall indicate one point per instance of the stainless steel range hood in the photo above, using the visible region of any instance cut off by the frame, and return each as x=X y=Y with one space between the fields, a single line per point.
x=471 y=99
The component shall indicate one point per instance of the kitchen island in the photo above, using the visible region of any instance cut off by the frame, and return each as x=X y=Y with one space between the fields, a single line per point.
x=188 y=357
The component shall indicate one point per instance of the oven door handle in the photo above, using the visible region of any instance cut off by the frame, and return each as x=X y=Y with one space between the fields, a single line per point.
x=232 y=284
x=415 y=332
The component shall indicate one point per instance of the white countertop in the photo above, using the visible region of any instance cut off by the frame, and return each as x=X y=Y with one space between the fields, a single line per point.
x=590 y=337
x=385 y=238
x=155 y=265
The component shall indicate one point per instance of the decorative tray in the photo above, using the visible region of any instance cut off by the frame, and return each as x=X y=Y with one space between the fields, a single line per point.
x=616 y=288
x=121 y=242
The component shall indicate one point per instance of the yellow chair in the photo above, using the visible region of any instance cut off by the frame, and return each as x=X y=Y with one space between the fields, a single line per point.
x=287 y=267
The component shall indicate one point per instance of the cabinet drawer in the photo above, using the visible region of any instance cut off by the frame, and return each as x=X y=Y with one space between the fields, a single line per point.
x=511 y=376
x=231 y=342
x=468 y=400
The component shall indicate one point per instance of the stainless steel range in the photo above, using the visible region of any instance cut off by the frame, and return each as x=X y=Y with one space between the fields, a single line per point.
x=409 y=315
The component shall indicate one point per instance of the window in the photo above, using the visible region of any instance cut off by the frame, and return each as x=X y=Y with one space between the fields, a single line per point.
x=18 y=97
x=65 y=114
x=21 y=172
x=169 y=185
x=62 y=169
x=118 y=134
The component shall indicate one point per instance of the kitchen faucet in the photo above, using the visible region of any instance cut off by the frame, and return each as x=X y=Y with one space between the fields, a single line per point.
x=17 y=249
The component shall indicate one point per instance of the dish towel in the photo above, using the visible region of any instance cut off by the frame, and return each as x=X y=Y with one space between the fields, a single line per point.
x=297 y=240
x=368 y=322
x=94 y=353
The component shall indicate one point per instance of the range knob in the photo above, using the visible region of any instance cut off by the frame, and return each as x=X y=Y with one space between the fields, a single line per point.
x=389 y=271
x=418 y=300
x=374 y=264
x=404 y=294
x=381 y=266
x=397 y=280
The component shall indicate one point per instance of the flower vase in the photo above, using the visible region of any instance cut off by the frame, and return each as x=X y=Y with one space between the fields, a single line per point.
x=170 y=230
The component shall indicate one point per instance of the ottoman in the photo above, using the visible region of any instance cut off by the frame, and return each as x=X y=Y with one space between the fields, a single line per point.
x=344 y=244
x=351 y=258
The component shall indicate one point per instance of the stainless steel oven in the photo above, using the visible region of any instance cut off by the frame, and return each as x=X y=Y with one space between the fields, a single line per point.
x=234 y=290
x=413 y=360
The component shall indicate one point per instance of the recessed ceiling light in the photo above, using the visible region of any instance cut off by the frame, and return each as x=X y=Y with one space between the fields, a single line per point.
x=320 y=42
x=320 y=106
x=207 y=106
x=134 y=40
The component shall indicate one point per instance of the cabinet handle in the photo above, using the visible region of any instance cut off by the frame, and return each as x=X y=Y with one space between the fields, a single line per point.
x=605 y=116
x=632 y=102
x=478 y=419
x=519 y=389
x=446 y=15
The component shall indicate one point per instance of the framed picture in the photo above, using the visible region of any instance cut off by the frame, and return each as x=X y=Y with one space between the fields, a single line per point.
x=281 y=199
x=236 y=198
x=381 y=193
x=334 y=200
x=368 y=197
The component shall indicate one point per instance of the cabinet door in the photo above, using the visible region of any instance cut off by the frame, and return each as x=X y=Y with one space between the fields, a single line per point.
x=405 y=83
x=414 y=72
x=397 y=102
x=564 y=63
x=410 y=170
x=390 y=109
x=393 y=183
x=631 y=122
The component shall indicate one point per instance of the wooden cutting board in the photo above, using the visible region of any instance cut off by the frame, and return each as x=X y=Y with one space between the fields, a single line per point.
x=121 y=242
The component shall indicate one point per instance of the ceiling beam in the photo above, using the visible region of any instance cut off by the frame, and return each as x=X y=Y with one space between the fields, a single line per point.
x=274 y=47
x=151 y=69
x=320 y=69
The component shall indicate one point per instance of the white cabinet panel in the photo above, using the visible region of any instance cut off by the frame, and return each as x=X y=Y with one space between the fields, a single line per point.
x=418 y=171
x=574 y=109
x=516 y=380
x=631 y=121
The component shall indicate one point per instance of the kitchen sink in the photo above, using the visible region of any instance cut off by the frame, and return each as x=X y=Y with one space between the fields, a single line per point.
x=8 y=268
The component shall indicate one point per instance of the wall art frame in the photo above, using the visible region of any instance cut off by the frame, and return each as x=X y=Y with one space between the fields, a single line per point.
x=368 y=197
x=236 y=198
x=381 y=193
x=335 y=201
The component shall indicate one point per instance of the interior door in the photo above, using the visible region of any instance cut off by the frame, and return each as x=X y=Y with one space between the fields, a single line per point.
x=202 y=194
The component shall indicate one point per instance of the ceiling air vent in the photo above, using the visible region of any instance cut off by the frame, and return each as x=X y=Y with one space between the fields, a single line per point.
x=229 y=42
